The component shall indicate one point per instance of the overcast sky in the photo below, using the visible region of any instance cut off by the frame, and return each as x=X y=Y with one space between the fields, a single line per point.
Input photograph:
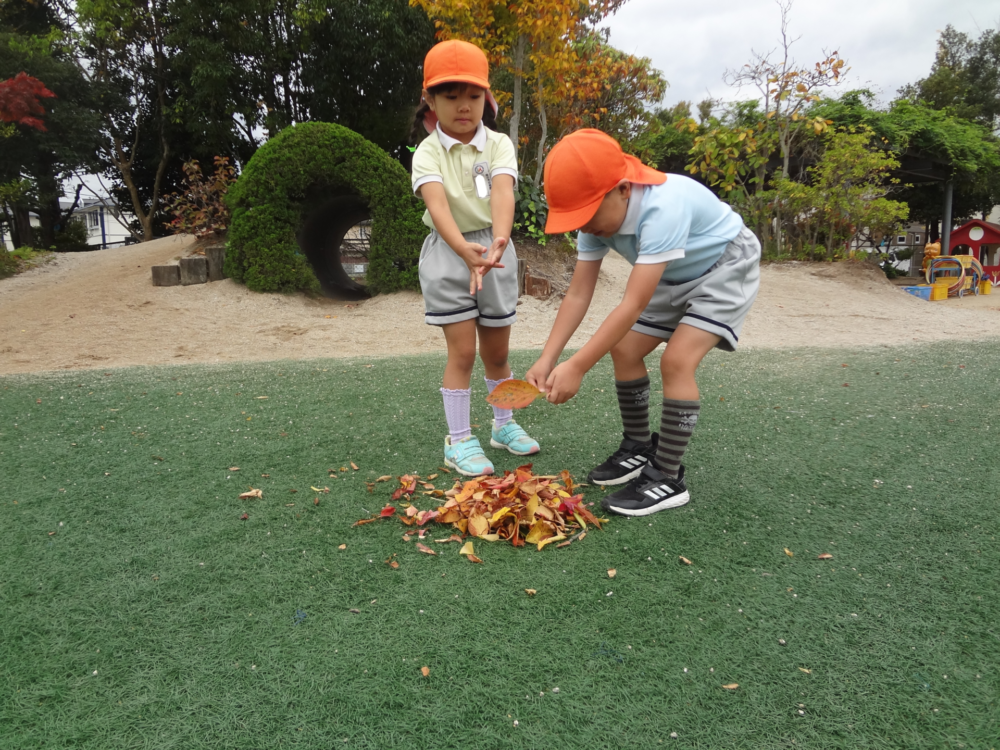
x=887 y=43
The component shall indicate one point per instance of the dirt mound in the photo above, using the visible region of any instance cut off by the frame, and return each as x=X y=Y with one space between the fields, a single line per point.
x=100 y=310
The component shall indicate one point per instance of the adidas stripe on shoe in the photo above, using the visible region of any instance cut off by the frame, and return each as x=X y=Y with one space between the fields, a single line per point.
x=648 y=493
x=625 y=463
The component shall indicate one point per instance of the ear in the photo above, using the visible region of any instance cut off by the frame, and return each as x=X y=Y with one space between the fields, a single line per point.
x=425 y=95
x=624 y=187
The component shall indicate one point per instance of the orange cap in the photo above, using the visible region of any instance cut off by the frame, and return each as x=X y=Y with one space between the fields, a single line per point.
x=456 y=62
x=580 y=170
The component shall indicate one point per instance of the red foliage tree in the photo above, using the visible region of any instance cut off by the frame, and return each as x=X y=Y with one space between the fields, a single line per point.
x=19 y=101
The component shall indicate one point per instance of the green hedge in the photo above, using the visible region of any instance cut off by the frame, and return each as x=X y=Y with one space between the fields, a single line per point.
x=293 y=174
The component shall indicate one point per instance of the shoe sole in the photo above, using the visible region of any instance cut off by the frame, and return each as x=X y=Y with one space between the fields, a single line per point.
x=619 y=480
x=498 y=444
x=453 y=465
x=672 y=502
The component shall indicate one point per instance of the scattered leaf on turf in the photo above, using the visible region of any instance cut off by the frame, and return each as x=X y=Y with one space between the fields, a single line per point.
x=387 y=511
x=363 y=521
x=252 y=493
x=730 y=686
x=425 y=549
x=315 y=501
x=324 y=490
x=467 y=549
x=354 y=466
x=446 y=471
x=383 y=478
x=612 y=572
x=342 y=546
x=530 y=592
x=473 y=558
x=452 y=538
x=432 y=477
x=231 y=468
x=244 y=517
x=354 y=611
x=513 y=394
x=807 y=671
x=789 y=552
x=425 y=671
x=825 y=556
x=685 y=560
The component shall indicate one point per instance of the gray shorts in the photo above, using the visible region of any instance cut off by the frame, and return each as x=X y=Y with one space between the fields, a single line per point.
x=444 y=281
x=717 y=301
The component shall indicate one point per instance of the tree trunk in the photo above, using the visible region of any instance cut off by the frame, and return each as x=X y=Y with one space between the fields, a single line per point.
x=540 y=159
x=21 y=233
x=515 y=117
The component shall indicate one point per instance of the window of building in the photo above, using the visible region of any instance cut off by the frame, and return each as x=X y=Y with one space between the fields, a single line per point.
x=93 y=220
x=901 y=239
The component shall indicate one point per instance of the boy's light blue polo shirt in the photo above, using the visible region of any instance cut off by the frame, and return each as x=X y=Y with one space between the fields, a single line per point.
x=680 y=221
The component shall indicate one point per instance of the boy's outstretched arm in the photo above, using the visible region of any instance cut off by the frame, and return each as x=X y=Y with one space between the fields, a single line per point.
x=564 y=380
x=574 y=306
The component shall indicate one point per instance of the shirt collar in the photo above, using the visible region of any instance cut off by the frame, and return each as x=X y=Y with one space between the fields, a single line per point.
x=478 y=140
x=631 y=222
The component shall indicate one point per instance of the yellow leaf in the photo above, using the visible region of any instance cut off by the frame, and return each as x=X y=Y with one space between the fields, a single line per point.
x=490 y=537
x=538 y=531
x=383 y=478
x=789 y=552
x=342 y=546
x=685 y=560
x=530 y=592
x=498 y=515
x=252 y=493
x=513 y=394
x=467 y=549
x=731 y=686
x=807 y=671
x=612 y=572
x=556 y=538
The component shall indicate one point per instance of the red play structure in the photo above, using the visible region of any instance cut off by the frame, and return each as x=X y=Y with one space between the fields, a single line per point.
x=981 y=239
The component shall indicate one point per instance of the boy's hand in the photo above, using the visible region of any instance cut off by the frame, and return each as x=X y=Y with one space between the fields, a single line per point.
x=538 y=374
x=563 y=383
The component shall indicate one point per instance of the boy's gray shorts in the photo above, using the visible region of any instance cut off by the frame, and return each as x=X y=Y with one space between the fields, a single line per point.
x=717 y=301
x=444 y=281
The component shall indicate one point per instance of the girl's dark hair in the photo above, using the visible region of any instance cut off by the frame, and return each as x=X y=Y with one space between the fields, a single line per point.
x=418 y=132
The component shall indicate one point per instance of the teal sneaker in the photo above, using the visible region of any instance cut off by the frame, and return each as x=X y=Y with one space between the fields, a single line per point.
x=513 y=437
x=466 y=457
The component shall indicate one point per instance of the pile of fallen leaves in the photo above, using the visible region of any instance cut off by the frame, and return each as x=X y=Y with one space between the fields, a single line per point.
x=519 y=506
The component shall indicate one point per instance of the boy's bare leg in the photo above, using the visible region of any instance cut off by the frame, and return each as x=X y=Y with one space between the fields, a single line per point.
x=629 y=355
x=681 y=405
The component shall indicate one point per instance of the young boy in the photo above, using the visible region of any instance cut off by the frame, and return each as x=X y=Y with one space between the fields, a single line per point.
x=695 y=275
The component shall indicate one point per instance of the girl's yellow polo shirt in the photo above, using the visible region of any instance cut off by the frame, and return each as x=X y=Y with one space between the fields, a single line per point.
x=441 y=158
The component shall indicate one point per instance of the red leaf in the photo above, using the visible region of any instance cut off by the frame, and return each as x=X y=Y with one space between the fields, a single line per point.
x=19 y=100
x=387 y=511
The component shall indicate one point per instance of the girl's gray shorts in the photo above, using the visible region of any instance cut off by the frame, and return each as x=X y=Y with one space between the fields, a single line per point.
x=717 y=301
x=444 y=281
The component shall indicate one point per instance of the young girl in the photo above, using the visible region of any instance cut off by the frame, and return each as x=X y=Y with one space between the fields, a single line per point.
x=695 y=275
x=465 y=174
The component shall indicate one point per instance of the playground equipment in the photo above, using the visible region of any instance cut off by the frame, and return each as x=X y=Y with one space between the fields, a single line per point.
x=958 y=273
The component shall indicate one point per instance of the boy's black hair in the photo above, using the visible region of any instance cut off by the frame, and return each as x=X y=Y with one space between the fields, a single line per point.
x=418 y=131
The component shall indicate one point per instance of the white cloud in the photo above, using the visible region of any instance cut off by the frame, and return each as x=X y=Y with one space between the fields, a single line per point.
x=886 y=43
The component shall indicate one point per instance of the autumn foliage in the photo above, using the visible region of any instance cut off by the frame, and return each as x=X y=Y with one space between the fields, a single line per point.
x=520 y=507
x=19 y=101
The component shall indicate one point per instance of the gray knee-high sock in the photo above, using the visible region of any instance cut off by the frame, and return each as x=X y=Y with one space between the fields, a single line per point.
x=676 y=424
x=633 y=402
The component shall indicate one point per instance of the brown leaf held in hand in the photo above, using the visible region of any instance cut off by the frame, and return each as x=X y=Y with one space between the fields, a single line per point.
x=513 y=394
x=825 y=556
x=685 y=560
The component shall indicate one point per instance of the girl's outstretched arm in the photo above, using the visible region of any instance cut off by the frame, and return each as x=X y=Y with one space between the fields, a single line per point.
x=574 y=306
x=564 y=381
x=471 y=252
x=502 y=211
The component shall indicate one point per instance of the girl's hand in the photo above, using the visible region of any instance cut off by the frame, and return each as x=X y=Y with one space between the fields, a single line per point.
x=563 y=383
x=472 y=253
x=495 y=253
x=538 y=374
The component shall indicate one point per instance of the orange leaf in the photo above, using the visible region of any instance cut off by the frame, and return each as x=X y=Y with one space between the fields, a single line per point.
x=425 y=671
x=425 y=549
x=354 y=466
x=363 y=521
x=473 y=558
x=513 y=394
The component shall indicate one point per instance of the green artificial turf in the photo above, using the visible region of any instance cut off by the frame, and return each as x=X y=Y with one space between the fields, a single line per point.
x=154 y=617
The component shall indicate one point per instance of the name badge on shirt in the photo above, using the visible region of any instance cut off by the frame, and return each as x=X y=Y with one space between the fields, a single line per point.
x=482 y=180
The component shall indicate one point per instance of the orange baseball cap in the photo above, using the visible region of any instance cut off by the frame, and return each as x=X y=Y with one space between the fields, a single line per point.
x=580 y=170
x=455 y=61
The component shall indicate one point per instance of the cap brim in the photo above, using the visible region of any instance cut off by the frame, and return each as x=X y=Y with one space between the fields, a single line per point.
x=567 y=221
x=474 y=80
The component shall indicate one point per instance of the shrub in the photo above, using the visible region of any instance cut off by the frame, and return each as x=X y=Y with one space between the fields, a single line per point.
x=8 y=263
x=530 y=211
x=72 y=237
x=201 y=209
x=290 y=178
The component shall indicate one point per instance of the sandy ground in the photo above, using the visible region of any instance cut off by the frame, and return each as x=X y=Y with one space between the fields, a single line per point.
x=100 y=310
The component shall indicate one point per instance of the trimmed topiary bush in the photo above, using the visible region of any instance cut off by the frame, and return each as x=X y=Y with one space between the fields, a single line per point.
x=298 y=195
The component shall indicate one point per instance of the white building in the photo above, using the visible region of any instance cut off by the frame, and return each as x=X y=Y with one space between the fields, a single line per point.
x=105 y=222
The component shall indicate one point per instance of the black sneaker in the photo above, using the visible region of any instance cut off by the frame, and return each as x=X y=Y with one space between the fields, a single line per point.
x=650 y=492
x=625 y=463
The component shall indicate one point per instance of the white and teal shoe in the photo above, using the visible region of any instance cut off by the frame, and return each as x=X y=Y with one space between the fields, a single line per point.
x=466 y=457
x=513 y=438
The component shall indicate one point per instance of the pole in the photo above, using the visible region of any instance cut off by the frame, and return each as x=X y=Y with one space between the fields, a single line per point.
x=104 y=236
x=946 y=220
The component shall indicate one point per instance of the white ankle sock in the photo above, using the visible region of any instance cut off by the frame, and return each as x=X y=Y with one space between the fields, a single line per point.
x=457 y=403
